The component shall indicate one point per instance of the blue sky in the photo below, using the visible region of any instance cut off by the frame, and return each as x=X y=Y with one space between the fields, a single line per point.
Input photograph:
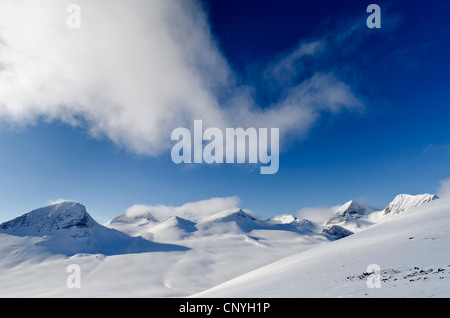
x=398 y=143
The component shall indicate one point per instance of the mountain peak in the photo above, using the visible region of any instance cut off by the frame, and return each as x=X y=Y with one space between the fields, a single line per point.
x=64 y=216
x=66 y=228
x=403 y=202
x=174 y=228
x=352 y=206
x=177 y=221
x=350 y=211
x=229 y=220
x=146 y=217
x=229 y=215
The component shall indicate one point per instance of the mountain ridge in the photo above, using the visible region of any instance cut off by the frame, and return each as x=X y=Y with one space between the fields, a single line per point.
x=356 y=216
x=69 y=223
x=67 y=228
x=403 y=202
x=231 y=244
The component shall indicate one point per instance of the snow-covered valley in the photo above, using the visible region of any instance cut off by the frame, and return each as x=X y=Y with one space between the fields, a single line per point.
x=229 y=253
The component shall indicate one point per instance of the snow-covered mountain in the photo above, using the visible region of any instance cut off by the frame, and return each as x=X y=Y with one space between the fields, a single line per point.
x=409 y=250
x=174 y=228
x=135 y=224
x=138 y=219
x=69 y=218
x=403 y=202
x=67 y=228
x=236 y=221
x=290 y=222
x=349 y=212
x=137 y=254
x=239 y=221
x=336 y=232
x=198 y=253
x=355 y=216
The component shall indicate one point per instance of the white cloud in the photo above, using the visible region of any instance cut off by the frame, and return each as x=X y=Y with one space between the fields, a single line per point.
x=191 y=210
x=138 y=69
x=442 y=149
x=444 y=189
x=286 y=68
x=58 y=201
x=318 y=214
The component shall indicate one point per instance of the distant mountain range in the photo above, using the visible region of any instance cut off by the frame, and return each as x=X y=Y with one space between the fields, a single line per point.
x=69 y=222
x=404 y=255
x=355 y=216
x=182 y=255
x=69 y=229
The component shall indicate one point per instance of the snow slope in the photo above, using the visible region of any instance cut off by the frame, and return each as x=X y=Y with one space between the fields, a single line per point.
x=411 y=250
x=230 y=253
x=183 y=257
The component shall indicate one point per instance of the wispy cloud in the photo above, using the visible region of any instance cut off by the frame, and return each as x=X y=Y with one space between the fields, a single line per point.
x=191 y=210
x=444 y=188
x=57 y=201
x=430 y=149
x=138 y=69
x=318 y=214
x=286 y=68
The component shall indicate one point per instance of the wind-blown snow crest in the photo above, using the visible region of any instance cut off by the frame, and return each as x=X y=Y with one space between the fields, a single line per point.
x=404 y=202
